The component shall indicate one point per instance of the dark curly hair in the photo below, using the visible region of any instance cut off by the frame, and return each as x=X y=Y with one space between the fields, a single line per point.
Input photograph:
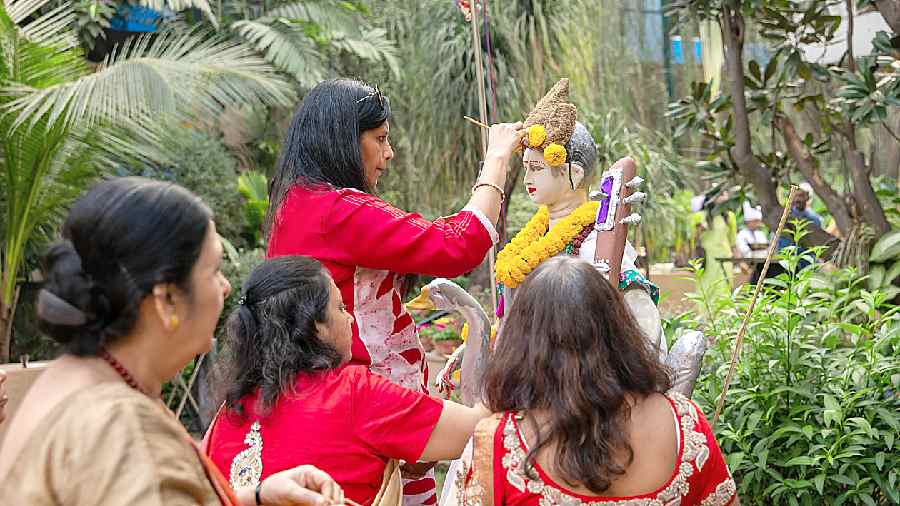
x=121 y=238
x=271 y=336
x=571 y=348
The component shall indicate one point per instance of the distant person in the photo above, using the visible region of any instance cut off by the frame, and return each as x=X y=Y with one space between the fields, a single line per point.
x=800 y=210
x=715 y=235
x=752 y=242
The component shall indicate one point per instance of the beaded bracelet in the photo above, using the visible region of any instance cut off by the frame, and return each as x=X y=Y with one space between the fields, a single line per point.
x=490 y=185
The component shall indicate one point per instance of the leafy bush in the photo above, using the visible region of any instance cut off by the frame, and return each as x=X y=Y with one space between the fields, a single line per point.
x=811 y=416
x=442 y=329
x=206 y=168
x=253 y=187
x=236 y=268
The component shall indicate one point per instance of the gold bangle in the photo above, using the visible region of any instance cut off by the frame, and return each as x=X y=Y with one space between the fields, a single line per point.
x=490 y=185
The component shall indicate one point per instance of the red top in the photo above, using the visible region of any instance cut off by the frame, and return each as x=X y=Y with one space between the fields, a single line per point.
x=344 y=421
x=368 y=246
x=700 y=478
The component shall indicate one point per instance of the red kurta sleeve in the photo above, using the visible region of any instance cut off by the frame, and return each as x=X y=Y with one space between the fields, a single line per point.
x=714 y=482
x=394 y=421
x=375 y=235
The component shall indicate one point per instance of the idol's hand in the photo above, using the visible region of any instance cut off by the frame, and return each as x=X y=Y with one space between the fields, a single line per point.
x=300 y=486
x=504 y=139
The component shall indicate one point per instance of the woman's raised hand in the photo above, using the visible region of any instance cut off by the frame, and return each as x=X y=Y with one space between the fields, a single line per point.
x=301 y=486
x=504 y=139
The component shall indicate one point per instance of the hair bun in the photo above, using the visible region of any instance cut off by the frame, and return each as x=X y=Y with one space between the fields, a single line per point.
x=67 y=303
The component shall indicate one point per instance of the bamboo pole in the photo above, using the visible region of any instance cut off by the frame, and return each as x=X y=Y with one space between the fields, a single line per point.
x=759 y=283
x=482 y=112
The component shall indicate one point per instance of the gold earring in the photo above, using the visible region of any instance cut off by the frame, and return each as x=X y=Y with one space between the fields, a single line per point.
x=173 y=322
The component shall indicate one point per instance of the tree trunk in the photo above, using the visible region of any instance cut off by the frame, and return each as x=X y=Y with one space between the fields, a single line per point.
x=748 y=165
x=7 y=312
x=890 y=11
x=5 y=332
x=807 y=165
x=864 y=194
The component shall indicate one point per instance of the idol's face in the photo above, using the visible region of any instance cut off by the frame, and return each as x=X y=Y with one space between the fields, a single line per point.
x=545 y=185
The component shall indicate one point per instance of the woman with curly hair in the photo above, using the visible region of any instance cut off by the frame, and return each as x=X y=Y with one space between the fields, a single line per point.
x=294 y=396
x=582 y=409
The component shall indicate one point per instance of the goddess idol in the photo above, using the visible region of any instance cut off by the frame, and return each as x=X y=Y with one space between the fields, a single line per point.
x=560 y=158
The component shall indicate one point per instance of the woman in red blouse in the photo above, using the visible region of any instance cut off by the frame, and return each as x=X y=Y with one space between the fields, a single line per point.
x=293 y=397
x=321 y=205
x=582 y=413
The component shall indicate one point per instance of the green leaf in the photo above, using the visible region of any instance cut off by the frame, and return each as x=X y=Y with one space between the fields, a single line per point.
x=876 y=277
x=734 y=460
x=886 y=248
x=802 y=460
x=231 y=252
x=889 y=418
x=819 y=482
x=879 y=460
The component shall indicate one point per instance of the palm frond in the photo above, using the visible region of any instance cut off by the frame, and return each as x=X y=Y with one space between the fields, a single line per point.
x=181 y=5
x=192 y=74
x=286 y=47
x=19 y=10
x=372 y=45
x=329 y=15
x=52 y=28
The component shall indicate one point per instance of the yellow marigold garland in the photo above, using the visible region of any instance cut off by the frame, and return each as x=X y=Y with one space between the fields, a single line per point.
x=534 y=244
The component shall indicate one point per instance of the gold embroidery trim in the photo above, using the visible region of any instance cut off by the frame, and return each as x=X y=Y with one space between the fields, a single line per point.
x=246 y=467
x=693 y=457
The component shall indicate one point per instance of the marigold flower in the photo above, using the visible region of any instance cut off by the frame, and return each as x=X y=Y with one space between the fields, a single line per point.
x=537 y=134
x=554 y=154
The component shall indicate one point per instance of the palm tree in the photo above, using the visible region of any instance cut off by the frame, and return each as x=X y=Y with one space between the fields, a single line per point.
x=309 y=40
x=61 y=124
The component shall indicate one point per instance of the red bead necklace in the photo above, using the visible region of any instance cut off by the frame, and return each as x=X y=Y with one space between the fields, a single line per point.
x=122 y=371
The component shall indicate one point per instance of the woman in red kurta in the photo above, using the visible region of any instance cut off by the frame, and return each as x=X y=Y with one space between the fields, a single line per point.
x=321 y=205
x=294 y=398
x=582 y=410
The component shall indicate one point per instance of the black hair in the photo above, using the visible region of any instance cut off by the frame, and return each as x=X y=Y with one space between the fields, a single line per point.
x=121 y=238
x=271 y=336
x=321 y=147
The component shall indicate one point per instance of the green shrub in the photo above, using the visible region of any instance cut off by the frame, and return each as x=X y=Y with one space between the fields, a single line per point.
x=206 y=168
x=254 y=188
x=236 y=268
x=811 y=416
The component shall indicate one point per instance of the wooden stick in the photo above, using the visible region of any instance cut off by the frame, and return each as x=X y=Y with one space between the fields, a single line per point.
x=482 y=112
x=476 y=122
x=759 y=283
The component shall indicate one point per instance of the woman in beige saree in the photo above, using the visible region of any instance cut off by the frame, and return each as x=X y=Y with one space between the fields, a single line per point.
x=133 y=292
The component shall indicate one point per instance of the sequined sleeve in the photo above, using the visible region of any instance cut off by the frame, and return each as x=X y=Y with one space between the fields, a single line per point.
x=475 y=481
x=717 y=487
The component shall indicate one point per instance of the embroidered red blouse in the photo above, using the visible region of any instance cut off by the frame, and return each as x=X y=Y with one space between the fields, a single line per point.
x=368 y=245
x=344 y=421
x=700 y=478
